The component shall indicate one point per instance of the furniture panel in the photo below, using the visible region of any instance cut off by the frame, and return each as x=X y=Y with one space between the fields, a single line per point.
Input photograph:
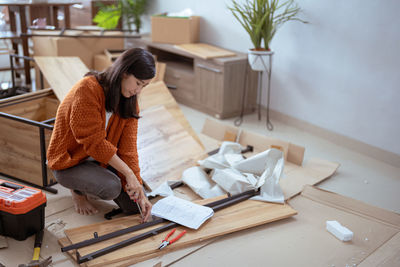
x=210 y=84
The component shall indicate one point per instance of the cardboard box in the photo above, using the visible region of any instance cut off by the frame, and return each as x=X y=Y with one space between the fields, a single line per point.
x=101 y=62
x=175 y=30
x=104 y=60
x=83 y=47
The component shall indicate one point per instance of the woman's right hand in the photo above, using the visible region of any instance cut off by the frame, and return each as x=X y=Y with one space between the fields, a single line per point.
x=136 y=193
x=133 y=188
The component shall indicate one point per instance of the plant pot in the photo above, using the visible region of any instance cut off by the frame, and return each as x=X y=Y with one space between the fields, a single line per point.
x=259 y=60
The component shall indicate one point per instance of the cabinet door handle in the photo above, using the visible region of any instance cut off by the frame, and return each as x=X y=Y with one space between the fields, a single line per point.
x=208 y=68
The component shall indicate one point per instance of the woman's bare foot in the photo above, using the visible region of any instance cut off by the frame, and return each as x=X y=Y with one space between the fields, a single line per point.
x=82 y=204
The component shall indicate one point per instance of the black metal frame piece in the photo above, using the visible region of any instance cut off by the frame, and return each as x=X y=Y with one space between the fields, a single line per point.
x=42 y=126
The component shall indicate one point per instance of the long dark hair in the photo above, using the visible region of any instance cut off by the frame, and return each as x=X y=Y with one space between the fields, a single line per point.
x=137 y=62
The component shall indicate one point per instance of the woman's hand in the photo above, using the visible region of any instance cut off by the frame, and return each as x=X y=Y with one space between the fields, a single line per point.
x=133 y=188
x=135 y=192
x=146 y=206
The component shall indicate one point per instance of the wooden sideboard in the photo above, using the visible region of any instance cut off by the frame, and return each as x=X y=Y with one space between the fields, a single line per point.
x=215 y=86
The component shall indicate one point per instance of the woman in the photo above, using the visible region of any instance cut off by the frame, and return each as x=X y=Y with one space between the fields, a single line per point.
x=93 y=145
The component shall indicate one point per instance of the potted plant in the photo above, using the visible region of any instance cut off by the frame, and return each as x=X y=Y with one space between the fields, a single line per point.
x=261 y=19
x=130 y=11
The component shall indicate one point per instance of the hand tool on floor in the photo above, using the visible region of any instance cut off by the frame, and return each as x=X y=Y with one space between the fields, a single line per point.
x=36 y=253
x=165 y=242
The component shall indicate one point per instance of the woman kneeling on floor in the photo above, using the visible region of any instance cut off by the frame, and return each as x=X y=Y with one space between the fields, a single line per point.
x=93 y=148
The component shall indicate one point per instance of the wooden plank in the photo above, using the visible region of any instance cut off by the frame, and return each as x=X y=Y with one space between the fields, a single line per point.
x=156 y=94
x=165 y=148
x=25 y=97
x=69 y=71
x=205 y=51
x=238 y=217
x=20 y=151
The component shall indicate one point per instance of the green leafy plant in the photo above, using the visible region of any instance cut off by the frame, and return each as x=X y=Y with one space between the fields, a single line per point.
x=129 y=11
x=262 y=18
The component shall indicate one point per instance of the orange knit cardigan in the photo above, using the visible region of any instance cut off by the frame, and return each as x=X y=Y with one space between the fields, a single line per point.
x=79 y=131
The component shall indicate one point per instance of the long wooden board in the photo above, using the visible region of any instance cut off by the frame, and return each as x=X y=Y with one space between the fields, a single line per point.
x=156 y=94
x=61 y=72
x=165 y=148
x=238 y=217
x=205 y=51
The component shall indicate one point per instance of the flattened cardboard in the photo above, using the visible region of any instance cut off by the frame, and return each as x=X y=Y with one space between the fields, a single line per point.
x=304 y=241
x=312 y=172
x=387 y=255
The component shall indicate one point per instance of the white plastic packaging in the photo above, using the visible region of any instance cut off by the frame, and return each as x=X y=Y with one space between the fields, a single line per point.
x=339 y=231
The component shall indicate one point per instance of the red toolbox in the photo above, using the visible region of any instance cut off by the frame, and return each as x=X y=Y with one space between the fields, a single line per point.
x=21 y=210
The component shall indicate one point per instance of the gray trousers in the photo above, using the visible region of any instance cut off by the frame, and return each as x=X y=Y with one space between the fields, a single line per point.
x=89 y=177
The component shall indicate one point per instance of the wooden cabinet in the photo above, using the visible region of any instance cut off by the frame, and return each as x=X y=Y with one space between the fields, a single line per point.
x=215 y=86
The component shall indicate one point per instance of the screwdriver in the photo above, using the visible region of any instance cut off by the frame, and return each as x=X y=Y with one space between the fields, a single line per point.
x=140 y=210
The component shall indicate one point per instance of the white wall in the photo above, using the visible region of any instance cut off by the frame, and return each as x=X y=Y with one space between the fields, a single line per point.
x=340 y=72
